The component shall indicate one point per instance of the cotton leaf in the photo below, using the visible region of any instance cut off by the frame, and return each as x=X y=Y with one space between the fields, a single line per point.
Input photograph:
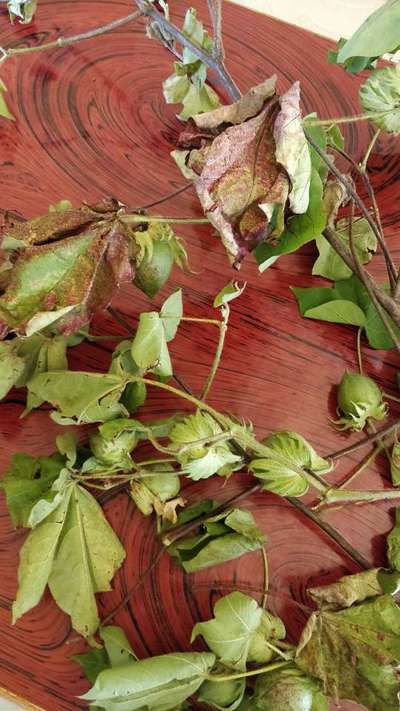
x=376 y=36
x=157 y=684
x=348 y=590
x=393 y=542
x=171 y=314
x=228 y=293
x=380 y=95
x=329 y=264
x=147 y=344
x=80 y=397
x=292 y=149
x=4 y=110
x=355 y=653
x=12 y=367
x=231 y=634
x=61 y=275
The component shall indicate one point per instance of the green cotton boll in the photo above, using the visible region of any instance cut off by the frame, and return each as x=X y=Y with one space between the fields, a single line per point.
x=134 y=396
x=270 y=629
x=153 y=272
x=115 y=451
x=359 y=399
x=223 y=695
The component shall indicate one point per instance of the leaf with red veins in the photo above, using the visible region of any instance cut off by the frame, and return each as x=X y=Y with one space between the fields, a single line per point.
x=66 y=281
x=240 y=177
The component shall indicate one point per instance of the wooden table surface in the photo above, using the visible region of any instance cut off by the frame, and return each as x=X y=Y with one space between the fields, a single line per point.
x=91 y=122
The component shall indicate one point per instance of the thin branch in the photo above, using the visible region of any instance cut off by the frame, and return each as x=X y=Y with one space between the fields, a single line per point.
x=331 y=532
x=223 y=326
x=370 y=439
x=165 y=198
x=66 y=41
x=392 y=272
x=150 y=11
x=215 y=10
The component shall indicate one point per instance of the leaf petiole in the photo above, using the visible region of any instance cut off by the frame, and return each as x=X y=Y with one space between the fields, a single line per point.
x=253 y=672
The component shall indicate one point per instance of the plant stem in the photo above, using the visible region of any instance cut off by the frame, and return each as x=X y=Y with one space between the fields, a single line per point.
x=65 y=41
x=254 y=672
x=336 y=495
x=129 y=219
x=364 y=162
x=364 y=442
x=215 y=11
x=360 y=204
x=346 y=119
x=119 y=319
x=223 y=326
x=366 y=462
x=352 y=552
x=266 y=577
x=388 y=396
x=150 y=11
x=165 y=198
x=359 y=352
x=213 y=321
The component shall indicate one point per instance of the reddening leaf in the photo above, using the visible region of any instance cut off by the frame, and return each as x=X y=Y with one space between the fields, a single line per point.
x=240 y=184
x=284 y=471
x=4 y=110
x=380 y=95
x=22 y=10
x=76 y=552
x=228 y=293
x=72 y=276
x=329 y=264
x=79 y=396
x=26 y=481
x=158 y=684
x=224 y=537
x=238 y=630
x=292 y=149
x=347 y=590
x=355 y=652
x=288 y=690
x=376 y=36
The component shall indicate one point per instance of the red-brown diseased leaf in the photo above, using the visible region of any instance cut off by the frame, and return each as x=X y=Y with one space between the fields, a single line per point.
x=66 y=280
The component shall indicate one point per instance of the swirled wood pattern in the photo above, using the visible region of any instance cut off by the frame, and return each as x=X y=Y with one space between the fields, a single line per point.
x=91 y=122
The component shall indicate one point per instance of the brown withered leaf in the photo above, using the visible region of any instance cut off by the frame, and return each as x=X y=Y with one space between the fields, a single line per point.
x=241 y=186
x=66 y=266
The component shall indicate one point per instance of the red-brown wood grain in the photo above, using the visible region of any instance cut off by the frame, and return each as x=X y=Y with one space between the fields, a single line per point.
x=91 y=122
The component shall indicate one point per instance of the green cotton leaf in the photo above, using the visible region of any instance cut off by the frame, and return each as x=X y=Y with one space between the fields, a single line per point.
x=348 y=590
x=288 y=690
x=299 y=229
x=12 y=367
x=376 y=36
x=284 y=471
x=61 y=206
x=395 y=464
x=338 y=311
x=224 y=696
x=237 y=625
x=50 y=501
x=76 y=552
x=22 y=10
x=79 y=396
x=329 y=264
x=292 y=149
x=68 y=267
x=157 y=684
x=4 y=110
x=228 y=293
x=393 y=544
x=216 y=459
x=51 y=356
x=92 y=663
x=148 y=341
x=28 y=480
x=355 y=653
x=225 y=537
x=380 y=95
x=119 y=651
x=187 y=85
x=171 y=313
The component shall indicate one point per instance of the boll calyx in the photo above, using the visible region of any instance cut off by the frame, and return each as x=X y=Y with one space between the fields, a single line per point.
x=359 y=400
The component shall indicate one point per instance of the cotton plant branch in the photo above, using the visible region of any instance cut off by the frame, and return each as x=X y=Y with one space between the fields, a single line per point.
x=148 y=10
x=215 y=11
x=66 y=41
